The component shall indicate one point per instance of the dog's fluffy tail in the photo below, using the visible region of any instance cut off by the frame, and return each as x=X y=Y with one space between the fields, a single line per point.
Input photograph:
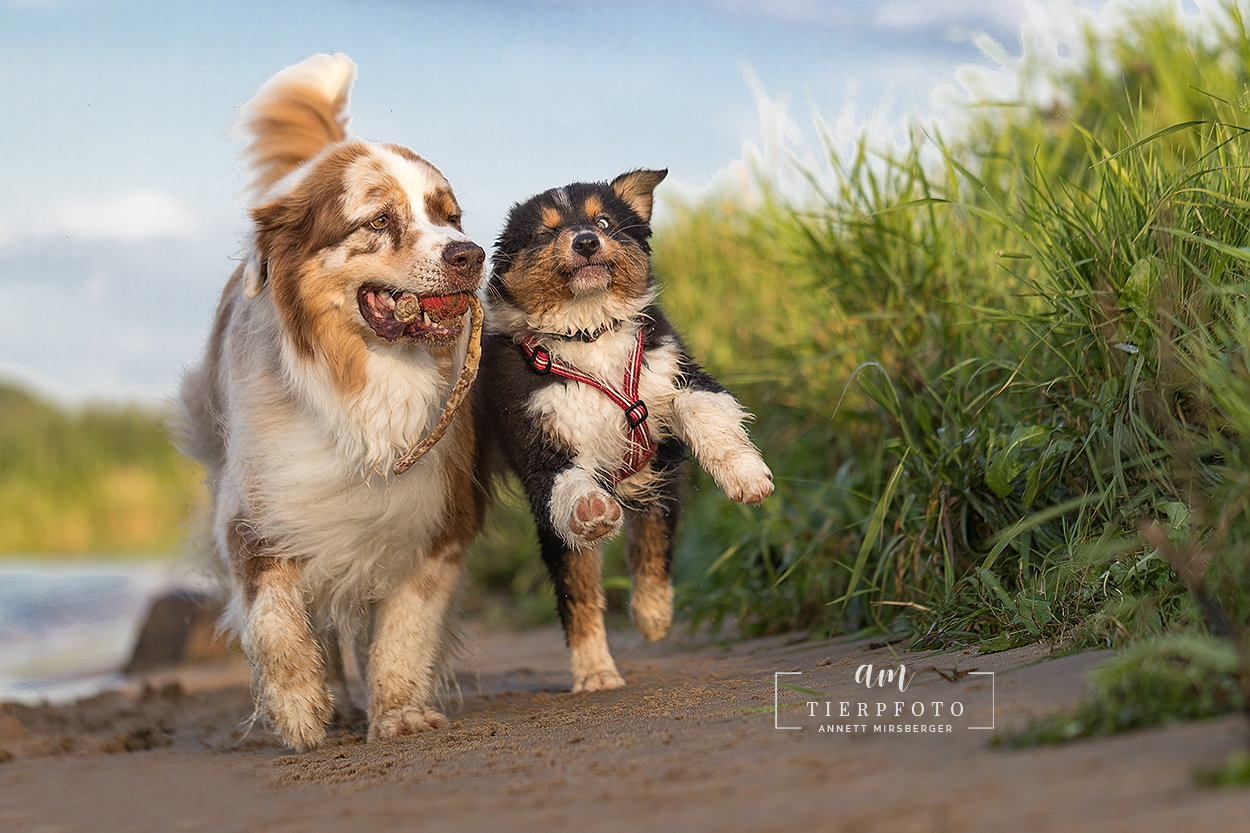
x=292 y=117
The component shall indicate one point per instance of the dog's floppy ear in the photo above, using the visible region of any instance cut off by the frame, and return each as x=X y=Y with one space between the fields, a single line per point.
x=255 y=273
x=267 y=218
x=636 y=188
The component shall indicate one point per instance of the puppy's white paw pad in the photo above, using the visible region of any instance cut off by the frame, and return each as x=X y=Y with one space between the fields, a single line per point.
x=404 y=721
x=601 y=680
x=594 y=515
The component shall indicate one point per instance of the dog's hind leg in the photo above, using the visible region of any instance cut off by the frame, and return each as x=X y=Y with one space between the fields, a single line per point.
x=578 y=579
x=362 y=639
x=411 y=636
x=282 y=650
x=649 y=552
x=345 y=711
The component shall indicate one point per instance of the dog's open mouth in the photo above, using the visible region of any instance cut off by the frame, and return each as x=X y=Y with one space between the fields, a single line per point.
x=395 y=314
x=591 y=277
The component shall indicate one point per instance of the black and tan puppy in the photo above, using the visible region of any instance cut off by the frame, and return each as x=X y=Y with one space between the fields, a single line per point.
x=592 y=400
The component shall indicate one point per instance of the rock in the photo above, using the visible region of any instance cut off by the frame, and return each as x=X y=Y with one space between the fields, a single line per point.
x=11 y=728
x=180 y=628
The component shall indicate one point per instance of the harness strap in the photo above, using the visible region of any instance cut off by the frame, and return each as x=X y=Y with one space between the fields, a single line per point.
x=641 y=446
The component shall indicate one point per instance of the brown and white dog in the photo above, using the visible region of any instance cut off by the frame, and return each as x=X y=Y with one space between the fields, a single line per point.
x=311 y=388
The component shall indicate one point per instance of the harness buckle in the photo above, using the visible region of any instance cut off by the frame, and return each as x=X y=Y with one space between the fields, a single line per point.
x=636 y=414
x=540 y=360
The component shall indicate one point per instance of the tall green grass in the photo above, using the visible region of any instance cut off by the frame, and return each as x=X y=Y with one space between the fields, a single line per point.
x=979 y=376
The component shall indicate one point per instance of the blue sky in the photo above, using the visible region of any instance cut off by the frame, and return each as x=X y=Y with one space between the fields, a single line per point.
x=119 y=213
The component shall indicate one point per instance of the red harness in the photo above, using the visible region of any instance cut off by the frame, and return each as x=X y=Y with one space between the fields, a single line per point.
x=641 y=446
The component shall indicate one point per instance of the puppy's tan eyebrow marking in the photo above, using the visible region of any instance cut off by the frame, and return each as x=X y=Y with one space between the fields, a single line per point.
x=551 y=217
x=594 y=206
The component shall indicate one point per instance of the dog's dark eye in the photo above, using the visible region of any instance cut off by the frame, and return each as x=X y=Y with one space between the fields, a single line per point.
x=453 y=220
x=602 y=223
x=379 y=222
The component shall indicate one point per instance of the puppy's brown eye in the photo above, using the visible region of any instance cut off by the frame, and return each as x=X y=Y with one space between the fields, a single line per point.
x=454 y=220
x=379 y=222
x=602 y=223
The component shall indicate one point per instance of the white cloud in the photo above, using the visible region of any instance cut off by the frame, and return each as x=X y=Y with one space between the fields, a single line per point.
x=1003 y=15
x=97 y=388
x=924 y=14
x=782 y=159
x=827 y=13
x=128 y=216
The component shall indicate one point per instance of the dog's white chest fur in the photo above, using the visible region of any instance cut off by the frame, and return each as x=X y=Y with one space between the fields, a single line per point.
x=590 y=422
x=399 y=403
x=314 y=473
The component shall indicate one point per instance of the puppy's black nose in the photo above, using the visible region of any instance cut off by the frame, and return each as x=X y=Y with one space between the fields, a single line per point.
x=465 y=258
x=586 y=243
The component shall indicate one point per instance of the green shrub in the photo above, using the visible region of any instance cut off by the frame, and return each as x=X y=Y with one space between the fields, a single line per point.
x=977 y=378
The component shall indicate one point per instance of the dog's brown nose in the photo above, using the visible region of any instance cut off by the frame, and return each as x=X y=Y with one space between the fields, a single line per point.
x=464 y=258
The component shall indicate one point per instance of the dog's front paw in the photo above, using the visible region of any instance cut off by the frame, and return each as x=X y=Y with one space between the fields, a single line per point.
x=300 y=717
x=405 y=720
x=594 y=515
x=602 y=680
x=745 y=478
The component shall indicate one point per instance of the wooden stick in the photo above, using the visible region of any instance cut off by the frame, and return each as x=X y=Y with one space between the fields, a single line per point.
x=468 y=373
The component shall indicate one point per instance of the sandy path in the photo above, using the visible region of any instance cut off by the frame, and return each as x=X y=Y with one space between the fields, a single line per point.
x=671 y=751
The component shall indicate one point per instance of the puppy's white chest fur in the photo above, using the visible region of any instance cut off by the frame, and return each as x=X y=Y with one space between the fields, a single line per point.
x=585 y=418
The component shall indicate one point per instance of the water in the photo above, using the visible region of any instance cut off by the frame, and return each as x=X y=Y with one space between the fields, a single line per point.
x=66 y=628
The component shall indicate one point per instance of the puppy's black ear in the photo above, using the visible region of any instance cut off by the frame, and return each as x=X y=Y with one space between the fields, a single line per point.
x=636 y=188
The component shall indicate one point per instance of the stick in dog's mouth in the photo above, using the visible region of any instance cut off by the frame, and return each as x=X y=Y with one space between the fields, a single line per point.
x=395 y=314
x=468 y=373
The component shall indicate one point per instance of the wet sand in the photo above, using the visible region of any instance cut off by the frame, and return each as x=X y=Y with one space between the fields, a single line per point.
x=689 y=744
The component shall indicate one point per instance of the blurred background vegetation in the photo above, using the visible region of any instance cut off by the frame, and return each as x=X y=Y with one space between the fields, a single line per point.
x=980 y=364
x=96 y=479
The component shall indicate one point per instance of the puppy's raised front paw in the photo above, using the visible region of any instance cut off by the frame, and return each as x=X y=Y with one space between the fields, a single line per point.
x=745 y=478
x=405 y=720
x=594 y=516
